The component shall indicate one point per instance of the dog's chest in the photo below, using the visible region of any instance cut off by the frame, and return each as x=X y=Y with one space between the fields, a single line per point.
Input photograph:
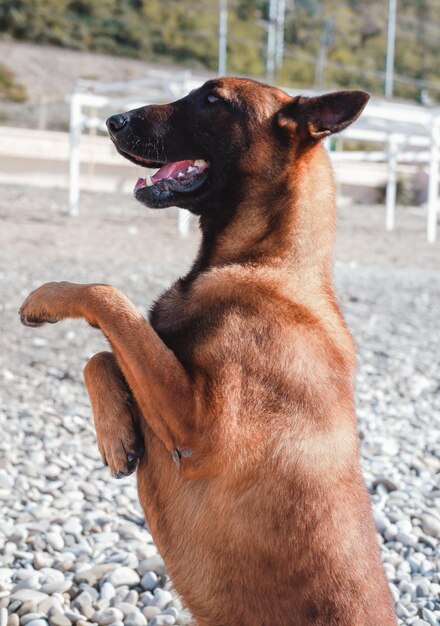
x=170 y=318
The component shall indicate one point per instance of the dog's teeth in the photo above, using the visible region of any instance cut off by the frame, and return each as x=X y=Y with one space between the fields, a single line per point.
x=191 y=169
x=181 y=175
x=199 y=163
x=148 y=181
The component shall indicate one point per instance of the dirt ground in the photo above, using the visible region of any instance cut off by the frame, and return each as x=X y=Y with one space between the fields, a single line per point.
x=114 y=227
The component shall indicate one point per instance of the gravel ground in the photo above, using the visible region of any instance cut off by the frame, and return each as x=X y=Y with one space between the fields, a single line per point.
x=74 y=548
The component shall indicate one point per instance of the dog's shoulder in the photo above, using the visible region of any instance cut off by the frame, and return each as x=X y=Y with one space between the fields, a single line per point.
x=218 y=292
x=256 y=312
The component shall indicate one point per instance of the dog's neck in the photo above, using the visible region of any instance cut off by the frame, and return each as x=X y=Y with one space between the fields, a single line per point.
x=291 y=224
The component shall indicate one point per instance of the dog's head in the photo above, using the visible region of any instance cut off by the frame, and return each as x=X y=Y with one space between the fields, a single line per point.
x=228 y=133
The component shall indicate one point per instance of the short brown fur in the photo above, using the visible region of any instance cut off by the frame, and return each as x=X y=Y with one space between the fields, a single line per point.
x=250 y=482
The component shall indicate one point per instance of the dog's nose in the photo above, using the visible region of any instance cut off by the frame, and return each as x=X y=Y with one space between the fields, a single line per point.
x=115 y=123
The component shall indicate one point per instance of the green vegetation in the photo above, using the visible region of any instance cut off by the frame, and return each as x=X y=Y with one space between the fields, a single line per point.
x=348 y=36
x=9 y=89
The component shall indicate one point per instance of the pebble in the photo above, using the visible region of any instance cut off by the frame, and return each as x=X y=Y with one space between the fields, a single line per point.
x=39 y=342
x=83 y=599
x=430 y=525
x=91 y=575
x=32 y=582
x=149 y=581
x=51 y=575
x=123 y=576
x=150 y=611
x=6 y=481
x=132 y=597
x=74 y=617
x=25 y=608
x=73 y=526
x=162 y=620
x=29 y=617
x=407 y=539
x=429 y=616
x=13 y=620
x=56 y=587
x=30 y=595
x=50 y=604
x=58 y=619
x=55 y=540
x=422 y=588
x=381 y=521
x=161 y=598
x=107 y=591
x=427 y=566
x=171 y=610
x=125 y=608
x=153 y=563
x=42 y=559
x=107 y=616
x=135 y=619
x=401 y=610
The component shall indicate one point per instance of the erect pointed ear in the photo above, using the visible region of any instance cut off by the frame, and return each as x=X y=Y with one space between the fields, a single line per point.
x=324 y=115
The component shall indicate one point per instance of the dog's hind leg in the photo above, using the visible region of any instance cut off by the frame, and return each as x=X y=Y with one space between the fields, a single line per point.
x=115 y=413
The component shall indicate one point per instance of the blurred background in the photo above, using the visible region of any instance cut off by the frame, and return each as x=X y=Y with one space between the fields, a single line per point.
x=74 y=547
x=128 y=53
x=316 y=43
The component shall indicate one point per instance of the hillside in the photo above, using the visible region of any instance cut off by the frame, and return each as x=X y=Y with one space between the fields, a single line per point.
x=51 y=72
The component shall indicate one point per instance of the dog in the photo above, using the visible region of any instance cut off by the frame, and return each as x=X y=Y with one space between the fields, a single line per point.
x=240 y=386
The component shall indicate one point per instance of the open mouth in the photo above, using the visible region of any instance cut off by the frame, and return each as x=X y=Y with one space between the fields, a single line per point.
x=180 y=176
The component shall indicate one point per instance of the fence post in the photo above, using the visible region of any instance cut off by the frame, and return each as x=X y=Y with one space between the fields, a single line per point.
x=183 y=218
x=393 y=147
x=433 y=181
x=74 y=154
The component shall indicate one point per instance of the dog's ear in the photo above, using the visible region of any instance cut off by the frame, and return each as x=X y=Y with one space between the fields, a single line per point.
x=324 y=115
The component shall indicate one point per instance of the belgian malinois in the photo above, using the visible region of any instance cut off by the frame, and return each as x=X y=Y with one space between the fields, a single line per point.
x=241 y=383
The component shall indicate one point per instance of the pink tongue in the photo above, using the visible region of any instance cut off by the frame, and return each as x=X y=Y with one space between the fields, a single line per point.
x=141 y=183
x=170 y=170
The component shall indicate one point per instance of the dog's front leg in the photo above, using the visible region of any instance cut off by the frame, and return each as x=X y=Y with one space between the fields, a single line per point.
x=157 y=379
x=118 y=423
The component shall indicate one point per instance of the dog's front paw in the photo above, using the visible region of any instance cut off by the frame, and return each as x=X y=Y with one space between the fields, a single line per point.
x=47 y=304
x=33 y=320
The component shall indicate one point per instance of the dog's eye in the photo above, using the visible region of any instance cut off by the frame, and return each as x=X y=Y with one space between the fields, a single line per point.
x=211 y=98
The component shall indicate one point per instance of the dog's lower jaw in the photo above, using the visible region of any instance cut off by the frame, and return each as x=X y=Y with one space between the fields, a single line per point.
x=168 y=193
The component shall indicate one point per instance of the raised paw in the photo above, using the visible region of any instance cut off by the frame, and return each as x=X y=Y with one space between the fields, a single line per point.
x=47 y=304
x=34 y=322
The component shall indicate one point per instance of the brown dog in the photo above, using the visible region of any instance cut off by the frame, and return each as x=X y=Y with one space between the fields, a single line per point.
x=244 y=376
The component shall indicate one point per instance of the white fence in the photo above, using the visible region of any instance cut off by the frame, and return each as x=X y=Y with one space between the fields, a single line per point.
x=403 y=133
x=406 y=134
